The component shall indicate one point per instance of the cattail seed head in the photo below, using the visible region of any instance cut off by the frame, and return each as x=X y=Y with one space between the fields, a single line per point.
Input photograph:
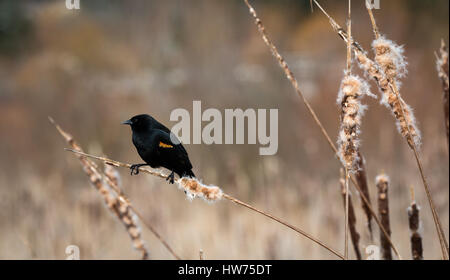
x=351 y=90
x=414 y=227
x=382 y=182
x=194 y=188
x=390 y=66
x=390 y=57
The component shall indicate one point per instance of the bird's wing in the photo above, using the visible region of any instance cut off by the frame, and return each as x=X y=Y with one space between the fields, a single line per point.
x=167 y=147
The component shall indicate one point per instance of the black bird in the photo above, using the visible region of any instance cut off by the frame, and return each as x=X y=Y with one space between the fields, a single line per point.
x=153 y=143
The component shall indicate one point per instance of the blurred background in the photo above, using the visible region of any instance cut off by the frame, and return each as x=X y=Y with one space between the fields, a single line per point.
x=92 y=68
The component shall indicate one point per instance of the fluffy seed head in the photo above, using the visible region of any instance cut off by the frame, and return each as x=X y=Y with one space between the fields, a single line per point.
x=194 y=188
x=390 y=57
x=351 y=90
x=391 y=65
x=382 y=179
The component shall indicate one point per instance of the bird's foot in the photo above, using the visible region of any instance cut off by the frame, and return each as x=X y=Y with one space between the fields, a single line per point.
x=171 y=178
x=135 y=169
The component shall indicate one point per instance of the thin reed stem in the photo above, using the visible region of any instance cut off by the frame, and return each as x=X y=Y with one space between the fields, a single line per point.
x=223 y=195
x=156 y=234
x=305 y=234
x=372 y=19
x=348 y=72
x=351 y=214
x=294 y=83
x=288 y=72
x=346 y=213
x=349 y=31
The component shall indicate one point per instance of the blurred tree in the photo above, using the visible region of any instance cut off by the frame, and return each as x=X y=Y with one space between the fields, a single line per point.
x=15 y=28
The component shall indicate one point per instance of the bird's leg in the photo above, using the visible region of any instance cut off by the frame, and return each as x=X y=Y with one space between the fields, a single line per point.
x=171 y=178
x=135 y=168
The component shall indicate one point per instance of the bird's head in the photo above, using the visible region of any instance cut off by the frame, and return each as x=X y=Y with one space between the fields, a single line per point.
x=140 y=122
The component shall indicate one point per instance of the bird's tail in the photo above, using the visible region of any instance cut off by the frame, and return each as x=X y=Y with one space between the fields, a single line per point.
x=189 y=173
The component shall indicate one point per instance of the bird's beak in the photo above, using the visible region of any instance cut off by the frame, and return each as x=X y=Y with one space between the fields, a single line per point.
x=128 y=122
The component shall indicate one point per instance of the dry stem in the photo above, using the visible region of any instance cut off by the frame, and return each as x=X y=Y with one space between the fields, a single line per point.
x=348 y=72
x=351 y=215
x=223 y=195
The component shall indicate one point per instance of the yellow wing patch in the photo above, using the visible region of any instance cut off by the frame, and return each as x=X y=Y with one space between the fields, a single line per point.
x=164 y=145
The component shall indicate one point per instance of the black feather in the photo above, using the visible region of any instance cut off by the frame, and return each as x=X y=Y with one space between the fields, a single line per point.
x=153 y=142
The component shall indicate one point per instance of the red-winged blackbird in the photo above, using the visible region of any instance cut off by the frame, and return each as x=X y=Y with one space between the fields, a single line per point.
x=153 y=143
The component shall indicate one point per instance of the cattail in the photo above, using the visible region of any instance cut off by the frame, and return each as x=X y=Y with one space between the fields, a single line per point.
x=442 y=67
x=382 y=182
x=129 y=219
x=113 y=175
x=390 y=59
x=194 y=188
x=414 y=225
x=351 y=217
x=116 y=204
x=394 y=67
x=373 y=71
x=361 y=178
x=124 y=212
x=351 y=90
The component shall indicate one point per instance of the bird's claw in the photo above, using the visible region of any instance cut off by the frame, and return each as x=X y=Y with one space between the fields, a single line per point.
x=134 y=169
x=171 y=178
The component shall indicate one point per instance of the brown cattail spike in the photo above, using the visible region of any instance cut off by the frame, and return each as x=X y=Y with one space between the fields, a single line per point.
x=382 y=182
x=389 y=58
x=361 y=178
x=414 y=225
